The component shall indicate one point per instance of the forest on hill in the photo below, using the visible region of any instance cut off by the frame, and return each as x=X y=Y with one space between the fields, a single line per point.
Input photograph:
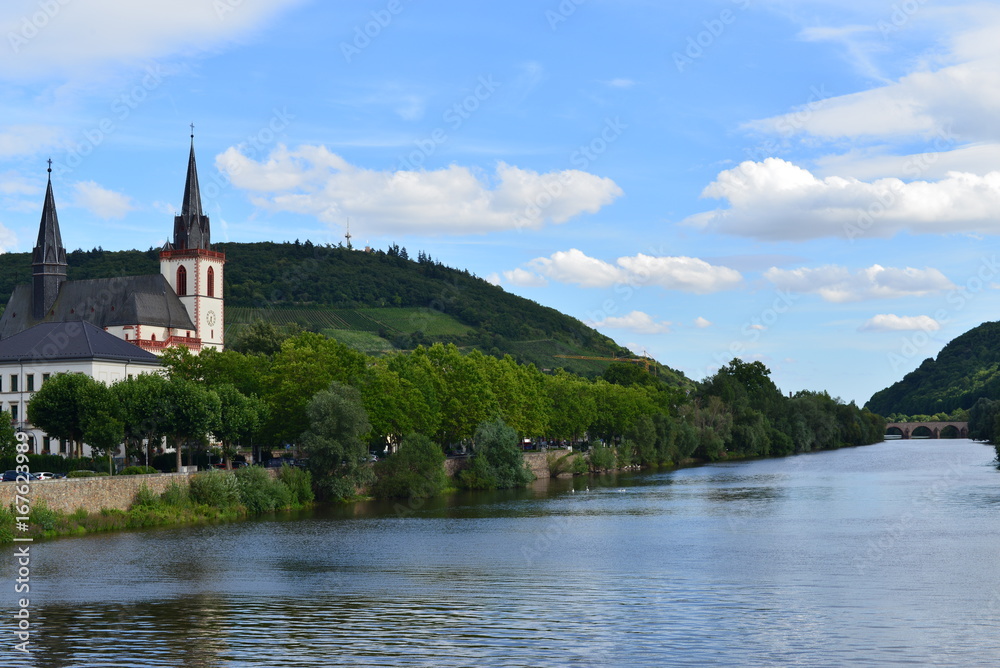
x=375 y=301
x=965 y=370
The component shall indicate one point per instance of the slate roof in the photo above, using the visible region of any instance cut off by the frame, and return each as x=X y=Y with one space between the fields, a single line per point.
x=103 y=302
x=58 y=341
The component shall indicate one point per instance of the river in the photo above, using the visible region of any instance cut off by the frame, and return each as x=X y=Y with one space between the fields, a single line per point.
x=881 y=555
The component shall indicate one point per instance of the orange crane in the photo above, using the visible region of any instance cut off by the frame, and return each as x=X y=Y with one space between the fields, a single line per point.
x=639 y=360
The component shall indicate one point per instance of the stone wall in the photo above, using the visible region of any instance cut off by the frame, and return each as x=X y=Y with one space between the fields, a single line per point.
x=92 y=494
x=536 y=461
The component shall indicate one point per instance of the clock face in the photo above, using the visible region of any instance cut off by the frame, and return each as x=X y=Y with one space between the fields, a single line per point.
x=210 y=318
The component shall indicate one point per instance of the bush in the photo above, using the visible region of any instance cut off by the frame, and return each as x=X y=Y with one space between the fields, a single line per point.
x=497 y=462
x=299 y=483
x=84 y=474
x=602 y=458
x=259 y=492
x=42 y=516
x=6 y=526
x=416 y=471
x=138 y=470
x=145 y=498
x=176 y=496
x=214 y=488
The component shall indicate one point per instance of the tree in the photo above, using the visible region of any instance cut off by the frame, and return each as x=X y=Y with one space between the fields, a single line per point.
x=337 y=456
x=238 y=419
x=497 y=461
x=306 y=364
x=416 y=470
x=8 y=437
x=982 y=420
x=189 y=412
x=58 y=408
x=103 y=428
x=142 y=401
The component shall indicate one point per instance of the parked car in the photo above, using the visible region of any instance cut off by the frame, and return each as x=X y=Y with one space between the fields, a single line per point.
x=45 y=475
x=11 y=476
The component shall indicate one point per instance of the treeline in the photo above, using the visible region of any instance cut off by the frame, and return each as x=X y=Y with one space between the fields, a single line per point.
x=984 y=422
x=965 y=370
x=337 y=404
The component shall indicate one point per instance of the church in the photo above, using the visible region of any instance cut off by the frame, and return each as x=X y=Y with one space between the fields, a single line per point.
x=182 y=305
x=109 y=328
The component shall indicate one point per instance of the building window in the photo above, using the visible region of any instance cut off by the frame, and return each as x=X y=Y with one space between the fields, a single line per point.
x=153 y=337
x=30 y=382
x=13 y=382
x=46 y=444
x=13 y=412
x=45 y=378
x=182 y=281
x=211 y=282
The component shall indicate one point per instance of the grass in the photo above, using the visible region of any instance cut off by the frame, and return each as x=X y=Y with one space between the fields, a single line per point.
x=215 y=497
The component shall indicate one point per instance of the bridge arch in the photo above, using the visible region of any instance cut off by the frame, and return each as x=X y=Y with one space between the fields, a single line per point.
x=950 y=431
x=923 y=431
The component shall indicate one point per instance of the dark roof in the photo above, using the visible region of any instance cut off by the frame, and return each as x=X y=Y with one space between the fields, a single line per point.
x=70 y=341
x=49 y=248
x=104 y=302
x=192 y=229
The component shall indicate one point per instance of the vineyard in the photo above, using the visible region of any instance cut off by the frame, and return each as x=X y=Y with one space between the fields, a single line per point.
x=387 y=321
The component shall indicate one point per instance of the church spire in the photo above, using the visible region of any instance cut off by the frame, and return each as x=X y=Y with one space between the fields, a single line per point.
x=48 y=258
x=191 y=228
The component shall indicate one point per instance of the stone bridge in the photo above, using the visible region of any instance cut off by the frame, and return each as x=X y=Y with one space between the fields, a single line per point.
x=928 y=429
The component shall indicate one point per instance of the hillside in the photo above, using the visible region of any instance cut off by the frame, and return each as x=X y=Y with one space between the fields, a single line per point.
x=376 y=302
x=965 y=369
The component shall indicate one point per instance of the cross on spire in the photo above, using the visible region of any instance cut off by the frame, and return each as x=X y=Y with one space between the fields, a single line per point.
x=50 y=166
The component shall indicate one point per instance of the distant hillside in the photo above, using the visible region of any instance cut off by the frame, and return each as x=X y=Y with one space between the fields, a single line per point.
x=376 y=302
x=966 y=369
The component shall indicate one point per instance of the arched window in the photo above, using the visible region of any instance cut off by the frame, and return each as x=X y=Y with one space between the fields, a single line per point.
x=211 y=282
x=182 y=281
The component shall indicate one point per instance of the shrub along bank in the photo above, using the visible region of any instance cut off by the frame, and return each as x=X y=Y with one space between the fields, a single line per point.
x=206 y=497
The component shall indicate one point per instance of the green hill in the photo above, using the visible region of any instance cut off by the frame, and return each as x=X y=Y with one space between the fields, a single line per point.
x=965 y=370
x=373 y=301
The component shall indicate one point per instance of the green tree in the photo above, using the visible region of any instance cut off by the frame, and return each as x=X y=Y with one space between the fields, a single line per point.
x=238 y=419
x=8 y=436
x=189 y=413
x=141 y=400
x=497 y=462
x=103 y=427
x=416 y=470
x=58 y=408
x=305 y=365
x=337 y=456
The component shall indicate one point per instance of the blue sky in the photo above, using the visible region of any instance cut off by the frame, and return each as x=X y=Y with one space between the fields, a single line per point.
x=812 y=184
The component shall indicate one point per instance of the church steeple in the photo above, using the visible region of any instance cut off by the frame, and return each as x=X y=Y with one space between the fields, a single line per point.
x=191 y=228
x=48 y=258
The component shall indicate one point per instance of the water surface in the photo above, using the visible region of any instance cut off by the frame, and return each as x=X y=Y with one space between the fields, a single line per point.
x=882 y=555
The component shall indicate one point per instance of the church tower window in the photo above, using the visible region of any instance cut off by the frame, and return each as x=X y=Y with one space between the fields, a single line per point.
x=211 y=282
x=182 y=281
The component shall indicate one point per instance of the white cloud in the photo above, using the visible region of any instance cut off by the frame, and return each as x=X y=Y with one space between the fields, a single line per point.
x=59 y=36
x=313 y=181
x=702 y=323
x=776 y=200
x=954 y=90
x=838 y=284
x=888 y=322
x=670 y=273
x=20 y=140
x=519 y=277
x=13 y=183
x=636 y=321
x=100 y=201
x=621 y=83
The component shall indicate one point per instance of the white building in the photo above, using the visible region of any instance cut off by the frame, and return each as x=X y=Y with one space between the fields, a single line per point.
x=30 y=358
